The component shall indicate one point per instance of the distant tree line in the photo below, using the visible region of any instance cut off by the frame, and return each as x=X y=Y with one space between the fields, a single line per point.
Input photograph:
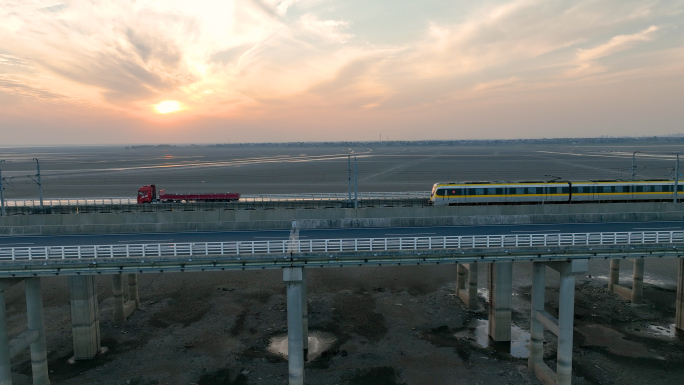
x=674 y=139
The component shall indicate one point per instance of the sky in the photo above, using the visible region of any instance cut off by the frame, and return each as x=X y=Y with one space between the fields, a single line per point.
x=221 y=71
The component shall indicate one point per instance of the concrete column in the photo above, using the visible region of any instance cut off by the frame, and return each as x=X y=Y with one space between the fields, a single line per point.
x=34 y=312
x=305 y=317
x=461 y=278
x=467 y=292
x=636 y=293
x=566 y=314
x=536 y=360
x=5 y=363
x=614 y=278
x=562 y=326
x=472 y=285
x=638 y=281
x=293 y=277
x=85 y=316
x=5 y=354
x=118 y=304
x=133 y=290
x=679 y=319
x=500 y=293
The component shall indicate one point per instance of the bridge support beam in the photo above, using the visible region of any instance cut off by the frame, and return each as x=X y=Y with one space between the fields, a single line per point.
x=123 y=308
x=561 y=326
x=294 y=279
x=85 y=316
x=466 y=284
x=679 y=319
x=500 y=292
x=636 y=293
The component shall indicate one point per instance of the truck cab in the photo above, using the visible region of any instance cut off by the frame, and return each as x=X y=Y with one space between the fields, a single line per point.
x=147 y=194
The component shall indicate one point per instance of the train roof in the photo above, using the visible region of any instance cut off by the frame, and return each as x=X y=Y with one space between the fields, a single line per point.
x=554 y=182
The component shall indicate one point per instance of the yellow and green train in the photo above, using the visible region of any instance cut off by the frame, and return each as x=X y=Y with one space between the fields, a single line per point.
x=457 y=193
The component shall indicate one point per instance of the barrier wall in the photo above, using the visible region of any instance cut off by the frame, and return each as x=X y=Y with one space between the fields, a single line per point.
x=335 y=218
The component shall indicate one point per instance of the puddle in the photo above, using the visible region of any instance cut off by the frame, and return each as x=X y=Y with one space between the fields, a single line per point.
x=663 y=331
x=318 y=343
x=518 y=347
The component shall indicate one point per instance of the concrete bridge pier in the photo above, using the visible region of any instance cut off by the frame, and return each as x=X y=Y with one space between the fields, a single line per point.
x=305 y=317
x=123 y=308
x=33 y=337
x=38 y=347
x=466 y=284
x=6 y=351
x=636 y=293
x=296 y=302
x=85 y=316
x=562 y=326
x=679 y=319
x=500 y=292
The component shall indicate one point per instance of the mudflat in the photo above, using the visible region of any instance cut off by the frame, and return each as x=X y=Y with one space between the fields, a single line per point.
x=370 y=325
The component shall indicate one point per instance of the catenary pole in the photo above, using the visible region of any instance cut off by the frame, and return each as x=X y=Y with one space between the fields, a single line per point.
x=40 y=185
x=633 y=164
x=2 y=197
x=676 y=186
x=356 y=185
x=349 y=175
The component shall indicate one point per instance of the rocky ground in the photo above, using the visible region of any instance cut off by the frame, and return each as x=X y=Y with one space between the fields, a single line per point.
x=390 y=325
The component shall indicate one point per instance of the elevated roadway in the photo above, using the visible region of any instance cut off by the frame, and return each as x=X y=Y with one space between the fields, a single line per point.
x=335 y=233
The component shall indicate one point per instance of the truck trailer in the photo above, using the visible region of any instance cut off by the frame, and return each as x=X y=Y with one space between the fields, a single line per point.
x=148 y=194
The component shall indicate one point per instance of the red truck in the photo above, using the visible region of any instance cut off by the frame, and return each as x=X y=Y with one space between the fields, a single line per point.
x=148 y=194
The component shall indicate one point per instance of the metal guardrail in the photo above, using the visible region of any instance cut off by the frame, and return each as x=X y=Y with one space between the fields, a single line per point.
x=243 y=198
x=247 y=249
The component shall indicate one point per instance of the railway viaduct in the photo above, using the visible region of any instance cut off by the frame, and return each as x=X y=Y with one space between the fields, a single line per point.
x=567 y=254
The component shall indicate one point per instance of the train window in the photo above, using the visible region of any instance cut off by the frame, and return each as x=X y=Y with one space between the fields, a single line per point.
x=680 y=187
x=559 y=190
x=618 y=189
x=499 y=191
x=607 y=189
x=575 y=190
x=658 y=188
x=479 y=191
x=441 y=192
x=491 y=191
x=520 y=190
x=564 y=190
x=530 y=190
x=647 y=188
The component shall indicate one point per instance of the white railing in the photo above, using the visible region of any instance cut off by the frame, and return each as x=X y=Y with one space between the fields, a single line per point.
x=264 y=248
x=243 y=198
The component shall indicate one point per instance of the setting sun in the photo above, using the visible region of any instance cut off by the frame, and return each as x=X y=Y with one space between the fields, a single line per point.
x=167 y=106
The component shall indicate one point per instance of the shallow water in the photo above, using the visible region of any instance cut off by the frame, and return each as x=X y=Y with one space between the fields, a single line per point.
x=318 y=343
x=519 y=346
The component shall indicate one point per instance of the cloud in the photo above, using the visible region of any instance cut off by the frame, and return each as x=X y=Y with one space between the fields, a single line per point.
x=264 y=58
x=616 y=44
x=326 y=29
x=586 y=64
x=26 y=88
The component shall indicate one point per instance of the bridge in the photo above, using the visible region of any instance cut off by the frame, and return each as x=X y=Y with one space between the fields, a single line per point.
x=567 y=253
